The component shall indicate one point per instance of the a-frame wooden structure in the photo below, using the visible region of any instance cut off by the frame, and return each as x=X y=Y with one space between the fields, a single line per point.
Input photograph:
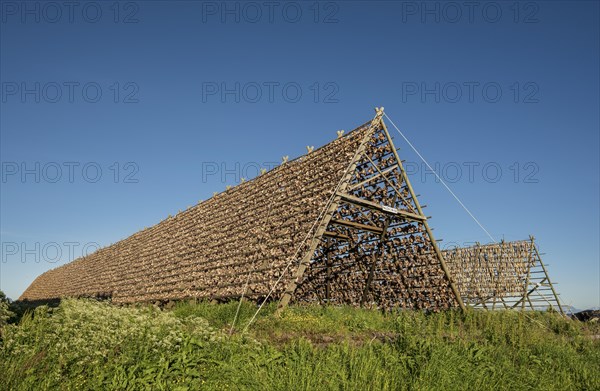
x=504 y=275
x=374 y=246
x=339 y=225
x=539 y=289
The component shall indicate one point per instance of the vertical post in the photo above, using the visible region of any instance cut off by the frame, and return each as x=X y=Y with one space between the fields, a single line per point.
x=503 y=281
x=369 y=279
x=529 y=299
x=498 y=274
x=382 y=237
x=419 y=209
x=343 y=184
x=529 y=263
x=309 y=253
x=472 y=284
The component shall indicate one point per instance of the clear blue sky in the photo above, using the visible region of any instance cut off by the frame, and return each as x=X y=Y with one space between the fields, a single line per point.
x=505 y=96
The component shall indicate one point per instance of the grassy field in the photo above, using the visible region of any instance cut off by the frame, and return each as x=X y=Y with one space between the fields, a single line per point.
x=84 y=344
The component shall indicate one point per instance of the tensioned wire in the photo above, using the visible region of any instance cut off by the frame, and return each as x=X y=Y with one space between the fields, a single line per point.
x=261 y=241
x=319 y=218
x=450 y=190
x=440 y=179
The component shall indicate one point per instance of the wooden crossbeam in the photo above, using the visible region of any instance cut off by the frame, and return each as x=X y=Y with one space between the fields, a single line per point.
x=363 y=227
x=439 y=255
x=336 y=235
x=381 y=208
x=374 y=262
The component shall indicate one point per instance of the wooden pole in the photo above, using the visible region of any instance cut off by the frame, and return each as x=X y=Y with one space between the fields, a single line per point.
x=529 y=264
x=344 y=182
x=429 y=233
x=539 y=259
x=382 y=247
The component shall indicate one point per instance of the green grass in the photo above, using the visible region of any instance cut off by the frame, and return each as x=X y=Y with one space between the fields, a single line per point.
x=88 y=345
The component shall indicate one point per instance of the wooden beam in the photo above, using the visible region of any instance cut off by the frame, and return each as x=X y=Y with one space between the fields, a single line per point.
x=535 y=288
x=539 y=258
x=381 y=208
x=398 y=192
x=420 y=211
x=382 y=238
x=352 y=224
x=529 y=264
x=336 y=235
